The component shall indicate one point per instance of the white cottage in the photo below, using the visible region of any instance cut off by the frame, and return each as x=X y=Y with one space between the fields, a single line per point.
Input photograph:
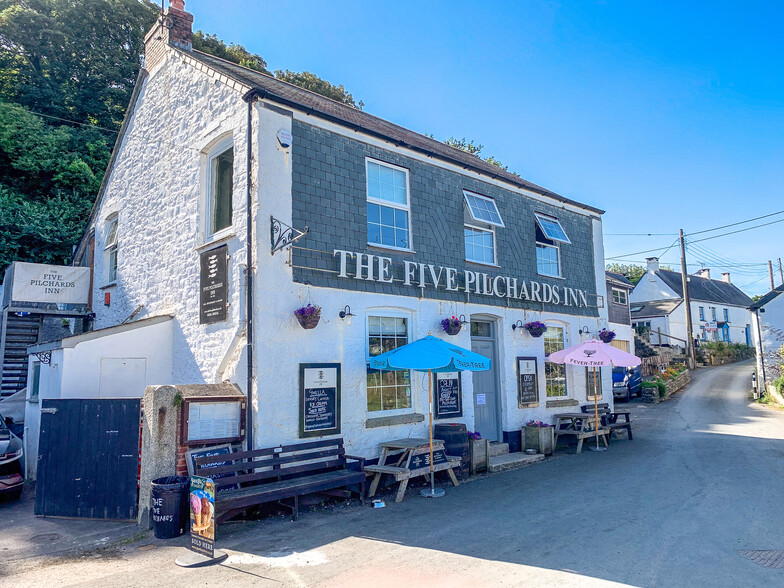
x=233 y=199
x=768 y=327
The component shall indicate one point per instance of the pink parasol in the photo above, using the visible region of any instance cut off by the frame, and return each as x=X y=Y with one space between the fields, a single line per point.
x=593 y=353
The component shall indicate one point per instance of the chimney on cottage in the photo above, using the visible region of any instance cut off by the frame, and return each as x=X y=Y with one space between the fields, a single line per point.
x=704 y=273
x=175 y=28
x=725 y=277
x=652 y=264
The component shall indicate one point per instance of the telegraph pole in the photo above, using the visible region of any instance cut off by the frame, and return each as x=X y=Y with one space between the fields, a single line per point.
x=770 y=272
x=687 y=303
x=781 y=272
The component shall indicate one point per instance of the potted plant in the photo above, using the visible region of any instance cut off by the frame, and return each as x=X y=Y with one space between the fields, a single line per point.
x=606 y=335
x=535 y=328
x=540 y=436
x=451 y=325
x=308 y=316
x=480 y=452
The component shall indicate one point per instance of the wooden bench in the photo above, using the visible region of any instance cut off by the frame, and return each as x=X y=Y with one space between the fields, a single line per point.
x=276 y=474
x=610 y=419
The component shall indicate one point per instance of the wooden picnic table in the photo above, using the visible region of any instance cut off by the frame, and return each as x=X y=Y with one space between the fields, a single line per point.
x=611 y=419
x=581 y=425
x=408 y=458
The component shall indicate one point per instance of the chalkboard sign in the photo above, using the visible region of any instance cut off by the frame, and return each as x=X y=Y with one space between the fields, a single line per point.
x=319 y=399
x=527 y=381
x=193 y=454
x=214 y=285
x=448 y=395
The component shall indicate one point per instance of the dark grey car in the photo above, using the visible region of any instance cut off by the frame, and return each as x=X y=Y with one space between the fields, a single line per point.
x=11 y=452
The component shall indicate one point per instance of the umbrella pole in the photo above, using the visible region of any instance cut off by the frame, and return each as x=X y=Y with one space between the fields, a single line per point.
x=430 y=411
x=596 y=407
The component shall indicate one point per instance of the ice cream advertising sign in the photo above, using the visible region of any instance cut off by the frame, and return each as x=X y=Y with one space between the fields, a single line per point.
x=202 y=509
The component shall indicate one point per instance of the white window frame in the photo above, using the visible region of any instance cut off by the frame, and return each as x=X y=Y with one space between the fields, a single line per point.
x=110 y=248
x=389 y=313
x=213 y=152
x=387 y=203
x=565 y=330
x=702 y=313
x=490 y=230
x=540 y=217
x=560 y=268
x=481 y=220
x=625 y=297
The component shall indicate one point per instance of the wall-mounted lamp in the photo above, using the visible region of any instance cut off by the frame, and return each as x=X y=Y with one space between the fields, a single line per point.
x=584 y=331
x=463 y=320
x=517 y=325
x=345 y=314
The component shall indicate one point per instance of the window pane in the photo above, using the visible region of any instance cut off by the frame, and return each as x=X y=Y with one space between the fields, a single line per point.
x=387 y=226
x=222 y=188
x=547 y=260
x=555 y=373
x=479 y=245
x=373 y=213
x=551 y=228
x=113 y=264
x=111 y=237
x=483 y=209
x=387 y=390
x=386 y=183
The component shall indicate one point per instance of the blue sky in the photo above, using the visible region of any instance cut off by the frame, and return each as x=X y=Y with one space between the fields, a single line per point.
x=667 y=115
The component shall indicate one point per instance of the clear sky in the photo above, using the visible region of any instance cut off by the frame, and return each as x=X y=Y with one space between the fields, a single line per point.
x=667 y=115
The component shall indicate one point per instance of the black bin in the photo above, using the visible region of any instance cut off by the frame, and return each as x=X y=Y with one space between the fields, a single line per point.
x=169 y=506
x=455 y=438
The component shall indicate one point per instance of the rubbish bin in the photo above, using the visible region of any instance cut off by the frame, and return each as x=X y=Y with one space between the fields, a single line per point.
x=169 y=506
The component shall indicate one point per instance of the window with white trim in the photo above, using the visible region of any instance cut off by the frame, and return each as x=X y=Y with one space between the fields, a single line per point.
x=480 y=219
x=551 y=228
x=110 y=251
x=388 y=205
x=554 y=373
x=479 y=245
x=483 y=209
x=220 y=187
x=619 y=296
x=387 y=390
x=548 y=251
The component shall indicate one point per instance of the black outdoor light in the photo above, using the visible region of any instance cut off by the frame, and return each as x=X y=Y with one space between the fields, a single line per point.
x=584 y=331
x=517 y=325
x=346 y=314
x=463 y=320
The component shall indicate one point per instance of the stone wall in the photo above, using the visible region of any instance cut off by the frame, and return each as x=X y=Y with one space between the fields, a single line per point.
x=651 y=395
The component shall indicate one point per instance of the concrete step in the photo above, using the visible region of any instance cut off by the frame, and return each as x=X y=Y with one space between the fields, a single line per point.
x=498 y=448
x=512 y=461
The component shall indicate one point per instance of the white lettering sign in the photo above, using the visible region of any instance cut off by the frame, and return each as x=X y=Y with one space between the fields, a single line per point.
x=375 y=268
x=61 y=284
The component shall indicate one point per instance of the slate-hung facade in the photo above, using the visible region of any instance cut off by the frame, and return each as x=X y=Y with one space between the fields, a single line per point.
x=443 y=233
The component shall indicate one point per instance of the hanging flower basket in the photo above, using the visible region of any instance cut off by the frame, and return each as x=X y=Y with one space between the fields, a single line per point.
x=606 y=335
x=535 y=328
x=308 y=316
x=451 y=325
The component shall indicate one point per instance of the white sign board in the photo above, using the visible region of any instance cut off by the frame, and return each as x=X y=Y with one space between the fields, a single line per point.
x=60 y=284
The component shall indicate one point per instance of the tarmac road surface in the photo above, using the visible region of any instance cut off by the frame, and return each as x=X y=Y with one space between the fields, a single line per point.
x=681 y=505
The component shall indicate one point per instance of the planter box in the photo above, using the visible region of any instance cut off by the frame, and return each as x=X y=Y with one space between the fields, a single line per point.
x=480 y=454
x=540 y=438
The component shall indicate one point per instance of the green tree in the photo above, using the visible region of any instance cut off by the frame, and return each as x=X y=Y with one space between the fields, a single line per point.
x=631 y=272
x=211 y=44
x=474 y=149
x=315 y=84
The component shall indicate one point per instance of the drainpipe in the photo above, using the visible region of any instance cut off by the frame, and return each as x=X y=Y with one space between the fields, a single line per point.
x=250 y=97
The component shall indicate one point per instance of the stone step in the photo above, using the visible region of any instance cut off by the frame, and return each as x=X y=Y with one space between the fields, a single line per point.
x=498 y=448
x=512 y=461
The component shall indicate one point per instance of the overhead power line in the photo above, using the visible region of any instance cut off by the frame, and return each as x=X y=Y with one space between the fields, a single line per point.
x=734 y=224
x=738 y=231
x=667 y=248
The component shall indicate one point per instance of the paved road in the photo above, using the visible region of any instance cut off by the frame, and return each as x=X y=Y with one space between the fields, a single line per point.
x=700 y=482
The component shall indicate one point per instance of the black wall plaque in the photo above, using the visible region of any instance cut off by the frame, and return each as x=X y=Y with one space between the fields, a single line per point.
x=214 y=285
x=448 y=395
x=423 y=459
x=527 y=380
x=319 y=399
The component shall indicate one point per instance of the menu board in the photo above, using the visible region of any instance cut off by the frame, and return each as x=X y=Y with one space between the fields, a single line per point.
x=214 y=285
x=319 y=399
x=213 y=420
x=527 y=381
x=448 y=395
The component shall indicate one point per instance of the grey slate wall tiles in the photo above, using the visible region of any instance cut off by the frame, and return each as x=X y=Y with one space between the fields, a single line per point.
x=329 y=196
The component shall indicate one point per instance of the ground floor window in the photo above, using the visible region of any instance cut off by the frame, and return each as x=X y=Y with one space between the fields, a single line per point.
x=593 y=387
x=554 y=373
x=387 y=390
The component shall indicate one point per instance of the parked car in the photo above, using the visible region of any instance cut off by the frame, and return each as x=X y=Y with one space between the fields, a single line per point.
x=11 y=452
x=627 y=382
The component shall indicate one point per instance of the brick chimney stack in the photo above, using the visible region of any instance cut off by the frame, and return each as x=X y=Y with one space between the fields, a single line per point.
x=174 y=28
x=704 y=273
x=725 y=277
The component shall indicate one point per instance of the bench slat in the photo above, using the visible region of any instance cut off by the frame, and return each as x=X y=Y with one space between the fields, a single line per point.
x=279 y=473
x=270 y=451
x=237 y=465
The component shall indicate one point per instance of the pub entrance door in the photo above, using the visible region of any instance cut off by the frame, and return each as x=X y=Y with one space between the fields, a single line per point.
x=486 y=397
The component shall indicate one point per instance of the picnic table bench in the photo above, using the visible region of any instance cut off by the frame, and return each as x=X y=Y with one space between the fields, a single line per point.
x=609 y=418
x=276 y=474
x=581 y=426
x=410 y=458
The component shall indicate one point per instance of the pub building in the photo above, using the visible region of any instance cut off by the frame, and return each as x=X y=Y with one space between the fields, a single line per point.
x=387 y=231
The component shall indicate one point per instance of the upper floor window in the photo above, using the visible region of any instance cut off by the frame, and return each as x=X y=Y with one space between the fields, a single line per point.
x=619 y=296
x=387 y=390
x=549 y=236
x=220 y=182
x=483 y=209
x=110 y=251
x=388 y=206
x=713 y=313
x=726 y=315
x=702 y=313
x=481 y=217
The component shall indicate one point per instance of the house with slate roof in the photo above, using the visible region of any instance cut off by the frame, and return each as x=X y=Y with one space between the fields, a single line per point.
x=719 y=309
x=618 y=316
x=768 y=327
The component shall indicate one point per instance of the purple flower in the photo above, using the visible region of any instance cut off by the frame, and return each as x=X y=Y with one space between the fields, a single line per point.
x=535 y=325
x=308 y=310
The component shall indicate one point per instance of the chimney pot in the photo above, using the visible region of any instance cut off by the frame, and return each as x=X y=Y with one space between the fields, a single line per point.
x=704 y=273
x=725 y=277
x=177 y=4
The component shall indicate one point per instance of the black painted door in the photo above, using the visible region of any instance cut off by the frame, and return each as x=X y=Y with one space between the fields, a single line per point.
x=88 y=456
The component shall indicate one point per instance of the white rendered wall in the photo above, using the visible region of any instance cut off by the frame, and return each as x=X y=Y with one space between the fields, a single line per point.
x=651 y=287
x=771 y=337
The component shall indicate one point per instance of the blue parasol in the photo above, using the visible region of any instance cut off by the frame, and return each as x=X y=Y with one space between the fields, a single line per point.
x=431 y=354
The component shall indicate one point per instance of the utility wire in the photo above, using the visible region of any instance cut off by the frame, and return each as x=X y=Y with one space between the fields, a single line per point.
x=646 y=251
x=738 y=231
x=735 y=224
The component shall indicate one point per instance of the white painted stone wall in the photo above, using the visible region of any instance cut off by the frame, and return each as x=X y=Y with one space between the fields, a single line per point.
x=769 y=337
